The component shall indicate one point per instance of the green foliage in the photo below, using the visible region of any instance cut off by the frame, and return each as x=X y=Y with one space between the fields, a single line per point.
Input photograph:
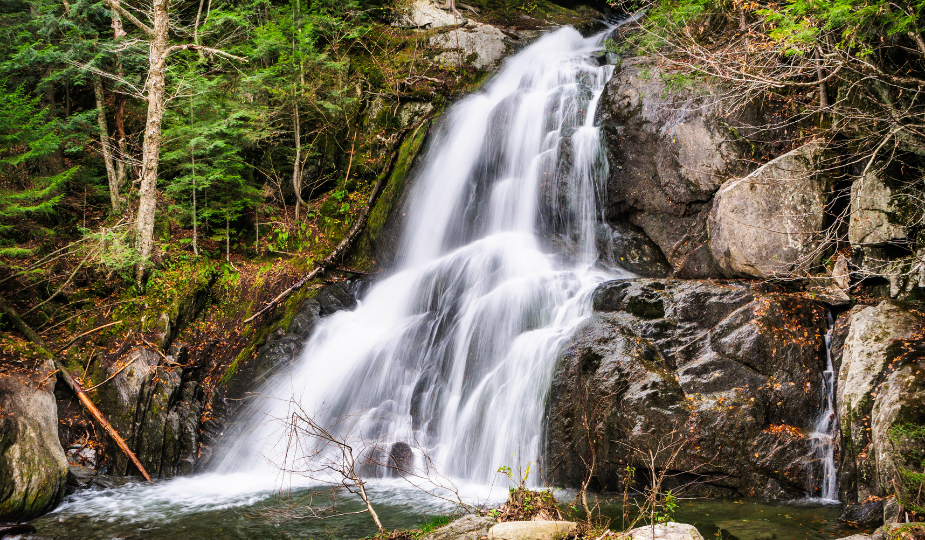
x=206 y=134
x=29 y=187
x=909 y=440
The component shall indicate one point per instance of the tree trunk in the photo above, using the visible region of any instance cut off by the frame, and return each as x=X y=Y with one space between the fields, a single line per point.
x=823 y=88
x=118 y=33
x=297 y=166
x=152 y=142
x=195 y=217
x=114 y=196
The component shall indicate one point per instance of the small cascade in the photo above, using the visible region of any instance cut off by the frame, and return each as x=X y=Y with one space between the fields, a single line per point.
x=823 y=436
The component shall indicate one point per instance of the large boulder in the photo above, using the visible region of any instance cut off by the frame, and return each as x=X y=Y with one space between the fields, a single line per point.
x=33 y=468
x=665 y=531
x=876 y=391
x=731 y=372
x=480 y=45
x=465 y=528
x=532 y=530
x=771 y=223
x=669 y=150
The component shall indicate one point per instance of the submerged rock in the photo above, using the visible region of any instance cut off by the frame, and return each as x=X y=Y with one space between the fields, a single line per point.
x=868 y=513
x=732 y=372
x=33 y=468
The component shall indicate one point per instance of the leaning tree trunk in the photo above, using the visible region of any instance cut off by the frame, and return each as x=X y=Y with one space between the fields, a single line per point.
x=157 y=59
x=114 y=196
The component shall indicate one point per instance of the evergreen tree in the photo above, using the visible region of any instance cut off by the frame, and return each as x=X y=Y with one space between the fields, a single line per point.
x=27 y=136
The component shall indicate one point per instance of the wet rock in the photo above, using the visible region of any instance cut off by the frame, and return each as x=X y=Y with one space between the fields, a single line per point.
x=531 y=530
x=33 y=468
x=17 y=529
x=873 y=395
x=731 y=369
x=665 y=531
x=770 y=223
x=868 y=513
x=401 y=459
x=465 y=528
x=79 y=477
x=623 y=245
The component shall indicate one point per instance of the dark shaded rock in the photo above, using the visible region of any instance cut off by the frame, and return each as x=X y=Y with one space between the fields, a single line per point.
x=869 y=513
x=155 y=411
x=684 y=241
x=732 y=370
x=401 y=459
x=17 y=529
x=623 y=245
x=33 y=468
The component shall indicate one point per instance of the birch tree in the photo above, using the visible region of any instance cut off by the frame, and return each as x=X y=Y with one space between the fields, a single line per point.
x=154 y=92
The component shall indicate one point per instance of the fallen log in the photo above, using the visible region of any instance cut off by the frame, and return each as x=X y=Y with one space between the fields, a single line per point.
x=354 y=232
x=75 y=387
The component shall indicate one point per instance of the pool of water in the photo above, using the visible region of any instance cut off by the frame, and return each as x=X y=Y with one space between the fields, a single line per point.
x=227 y=506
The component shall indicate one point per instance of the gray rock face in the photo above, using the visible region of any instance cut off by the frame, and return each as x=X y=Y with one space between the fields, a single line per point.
x=157 y=414
x=770 y=223
x=732 y=370
x=872 y=396
x=479 y=45
x=668 y=151
x=33 y=468
x=465 y=528
x=876 y=213
x=666 y=531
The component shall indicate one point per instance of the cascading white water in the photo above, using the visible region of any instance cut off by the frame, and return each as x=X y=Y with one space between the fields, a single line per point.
x=823 y=436
x=454 y=351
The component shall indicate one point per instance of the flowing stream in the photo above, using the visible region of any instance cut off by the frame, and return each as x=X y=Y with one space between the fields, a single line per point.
x=449 y=357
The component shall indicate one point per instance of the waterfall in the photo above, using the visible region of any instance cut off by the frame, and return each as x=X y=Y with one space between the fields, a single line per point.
x=454 y=350
x=822 y=437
